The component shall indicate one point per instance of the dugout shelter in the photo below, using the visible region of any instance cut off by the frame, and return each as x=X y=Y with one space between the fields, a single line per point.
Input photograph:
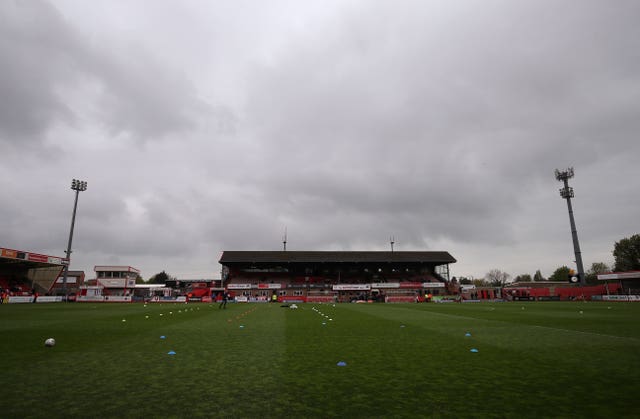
x=336 y=276
x=627 y=283
x=195 y=289
x=75 y=279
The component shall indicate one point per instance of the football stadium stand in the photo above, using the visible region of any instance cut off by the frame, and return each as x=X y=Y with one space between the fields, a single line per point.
x=334 y=276
x=24 y=275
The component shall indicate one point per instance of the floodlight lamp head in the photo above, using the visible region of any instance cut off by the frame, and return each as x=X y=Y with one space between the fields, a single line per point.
x=78 y=185
x=566 y=192
x=565 y=174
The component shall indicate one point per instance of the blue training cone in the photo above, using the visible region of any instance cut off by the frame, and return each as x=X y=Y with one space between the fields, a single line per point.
x=341 y=364
x=171 y=353
x=474 y=350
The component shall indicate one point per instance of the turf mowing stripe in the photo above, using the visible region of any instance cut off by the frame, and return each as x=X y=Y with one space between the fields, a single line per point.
x=586 y=333
x=532 y=325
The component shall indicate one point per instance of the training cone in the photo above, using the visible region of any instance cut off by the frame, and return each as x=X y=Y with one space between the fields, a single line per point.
x=341 y=364
x=171 y=353
x=474 y=350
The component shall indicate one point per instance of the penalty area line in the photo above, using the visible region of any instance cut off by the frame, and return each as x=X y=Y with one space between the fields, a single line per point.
x=587 y=333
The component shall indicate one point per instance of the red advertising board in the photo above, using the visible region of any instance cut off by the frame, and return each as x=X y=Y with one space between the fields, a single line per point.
x=411 y=285
x=34 y=257
x=270 y=286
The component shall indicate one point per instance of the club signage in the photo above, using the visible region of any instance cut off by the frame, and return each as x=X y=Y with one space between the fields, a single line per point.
x=385 y=285
x=270 y=286
x=31 y=257
x=8 y=253
x=352 y=287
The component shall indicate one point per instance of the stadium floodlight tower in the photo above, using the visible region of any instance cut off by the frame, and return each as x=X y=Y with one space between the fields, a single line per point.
x=78 y=186
x=567 y=193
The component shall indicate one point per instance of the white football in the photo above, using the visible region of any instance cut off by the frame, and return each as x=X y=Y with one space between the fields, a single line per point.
x=50 y=342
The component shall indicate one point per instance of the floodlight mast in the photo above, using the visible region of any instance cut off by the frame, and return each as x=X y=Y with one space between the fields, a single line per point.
x=284 y=240
x=567 y=193
x=78 y=186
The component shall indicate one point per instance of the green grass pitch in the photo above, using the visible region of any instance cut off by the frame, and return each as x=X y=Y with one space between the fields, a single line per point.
x=261 y=360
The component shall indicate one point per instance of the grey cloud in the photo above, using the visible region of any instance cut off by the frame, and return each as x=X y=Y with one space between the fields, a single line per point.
x=440 y=124
x=509 y=103
x=45 y=59
x=142 y=98
x=34 y=64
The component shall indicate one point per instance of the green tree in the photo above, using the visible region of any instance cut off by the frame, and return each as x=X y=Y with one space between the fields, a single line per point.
x=560 y=275
x=596 y=268
x=627 y=254
x=538 y=276
x=159 y=278
x=479 y=282
x=522 y=278
x=139 y=280
x=464 y=280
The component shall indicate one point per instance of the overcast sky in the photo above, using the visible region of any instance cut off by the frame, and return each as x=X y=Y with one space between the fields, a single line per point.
x=204 y=126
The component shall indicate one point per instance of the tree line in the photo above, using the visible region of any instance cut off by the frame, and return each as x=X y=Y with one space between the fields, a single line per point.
x=626 y=253
x=159 y=278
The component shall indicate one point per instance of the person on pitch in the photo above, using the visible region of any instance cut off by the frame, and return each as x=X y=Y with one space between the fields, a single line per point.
x=225 y=298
